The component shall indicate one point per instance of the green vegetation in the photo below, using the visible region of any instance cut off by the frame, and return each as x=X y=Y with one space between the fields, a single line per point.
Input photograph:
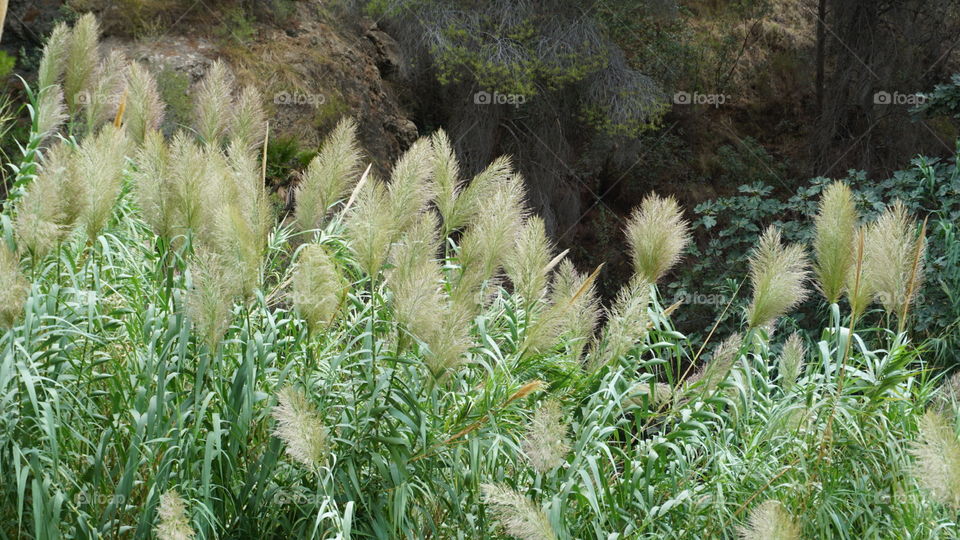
x=727 y=227
x=412 y=358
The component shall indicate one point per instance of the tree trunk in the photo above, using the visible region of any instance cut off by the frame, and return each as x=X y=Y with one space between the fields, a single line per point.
x=821 y=51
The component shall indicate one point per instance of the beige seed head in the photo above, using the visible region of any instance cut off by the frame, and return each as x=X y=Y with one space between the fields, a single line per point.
x=709 y=377
x=248 y=121
x=657 y=393
x=891 y=249
x=857 y=287
x=526 y=264
x=213 y=103
x=318 y=287
x=209 y=303
x=790 y=362
x=370 y=227
x=472 y=201
x=626 y=325
x=107 y=92
x=329 y=177
x=53 y=62
x=579 y=320
x=833 y=241
x=419 y=301
x=100 y=162
x=48 y=208
x=173 y=523
x=145 y=109
x=770 y=521
x=80 y=65
x=657 y=235
x=777 y=276
x=14 y=287
x=937 y=455
x=487 y=239
x=411 y=189
x=445 y=171
x=546 y=445
x=518 y=516
x=301 y=427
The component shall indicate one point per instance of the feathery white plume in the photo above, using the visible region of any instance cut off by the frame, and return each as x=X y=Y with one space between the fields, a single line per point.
x=301 y=427
x=546 y=445
x=172 y=520
x=770 y=521
x=518 y=516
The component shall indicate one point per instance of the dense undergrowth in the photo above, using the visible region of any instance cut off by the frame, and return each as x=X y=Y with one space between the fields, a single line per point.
x=410 y=358
x=728 y=227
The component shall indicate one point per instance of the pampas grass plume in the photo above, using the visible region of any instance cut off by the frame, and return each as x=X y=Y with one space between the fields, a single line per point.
x=100 y=162
x=172 y=520
x=213 y=100
x=857 y=287
x=937 y=455
x=14 y=287
x=410 y=189
x=370 y=227
x=833 y=241
x=80 y=64
x=210 y=302
x=445 y=171
x=301 y=427
x=145 y=109
x=546 y=444
x=419 y=301
x=579 y=320
x=790 y=362
x=891 y=250
x=243 y=214
x=248 y=123
x=718 y=368
x=318 y=287
x=53 y=61
x=106 y=96
x=518 y=516
x=626 y=324
x=50 y=110
x=657 y=393
x=329 y=176
x=657 y=235
x=526 y=264
x=777 y=275
x=571 y=309
x=770 y=521
x=50 y=204
x=152 y=182
x=488 y=238
x=473 y=200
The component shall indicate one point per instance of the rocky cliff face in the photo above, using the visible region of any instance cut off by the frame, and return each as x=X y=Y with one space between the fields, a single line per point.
x=312 y=69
